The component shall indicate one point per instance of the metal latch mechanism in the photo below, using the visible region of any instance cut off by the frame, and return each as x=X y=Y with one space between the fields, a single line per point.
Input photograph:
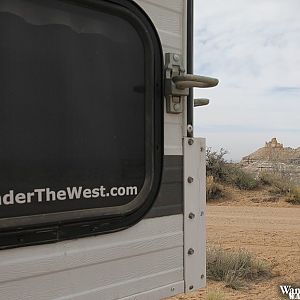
x=201 y=102
x=178 y=83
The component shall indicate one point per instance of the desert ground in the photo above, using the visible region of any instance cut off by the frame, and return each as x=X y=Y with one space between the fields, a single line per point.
x=267 y=227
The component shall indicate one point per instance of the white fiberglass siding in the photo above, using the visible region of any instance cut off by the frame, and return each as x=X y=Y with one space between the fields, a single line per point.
x=169 y=18
x=113 y=266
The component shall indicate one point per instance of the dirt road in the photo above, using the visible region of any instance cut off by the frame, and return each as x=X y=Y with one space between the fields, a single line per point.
x=271 y=233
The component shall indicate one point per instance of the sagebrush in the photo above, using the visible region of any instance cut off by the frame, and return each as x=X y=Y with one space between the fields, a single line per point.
x=281 y=185
x=216 y=165
x=241 y=179
x=224 y=172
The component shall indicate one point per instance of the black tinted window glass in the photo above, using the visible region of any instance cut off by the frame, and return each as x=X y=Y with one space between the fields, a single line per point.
x=72 y=108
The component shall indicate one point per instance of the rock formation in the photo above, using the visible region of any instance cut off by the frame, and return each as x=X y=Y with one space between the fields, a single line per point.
x=274 y=157
x=274 y=152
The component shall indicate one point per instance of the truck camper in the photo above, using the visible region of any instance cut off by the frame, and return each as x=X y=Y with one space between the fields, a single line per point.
x=102 y=182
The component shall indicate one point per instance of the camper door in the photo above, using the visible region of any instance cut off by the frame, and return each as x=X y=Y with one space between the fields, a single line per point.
x=102 y=183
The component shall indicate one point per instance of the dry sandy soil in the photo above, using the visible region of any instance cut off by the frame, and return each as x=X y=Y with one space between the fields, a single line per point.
x=268 y=228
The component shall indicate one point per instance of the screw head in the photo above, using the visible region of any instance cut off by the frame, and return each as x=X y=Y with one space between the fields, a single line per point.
x=191 y=215
x=190 y=141
x=202 y=276
x=191 y=251
x=172 y=289
x=202 y=213
x=190 y=179
x=176 y=57
x=176 y=106
x=201 y=149
x=191 y=287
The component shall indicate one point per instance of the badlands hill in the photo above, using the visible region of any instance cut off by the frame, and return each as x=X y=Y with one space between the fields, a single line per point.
x=274 y=157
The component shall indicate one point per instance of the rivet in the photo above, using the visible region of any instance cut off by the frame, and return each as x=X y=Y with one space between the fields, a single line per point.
x=176 y=106
x=201 y=149
x=191 y=287
x=202 y=276
x=172 y=289
x=191 y=215
x=202 y=213
x=190 y=141
x=176 y=57
x=191 y=251
x=190 y=179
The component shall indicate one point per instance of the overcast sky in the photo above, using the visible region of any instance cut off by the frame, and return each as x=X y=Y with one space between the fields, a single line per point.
x=253 y=48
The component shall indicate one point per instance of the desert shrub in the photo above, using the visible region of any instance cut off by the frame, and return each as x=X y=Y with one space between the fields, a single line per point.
x=214 y=190
x=216 y=165
x=279 y=185
x=222 y=171
x=235 y=268
x=215 y=295
x=241 y=179
x=268 y=178
x=294 y=195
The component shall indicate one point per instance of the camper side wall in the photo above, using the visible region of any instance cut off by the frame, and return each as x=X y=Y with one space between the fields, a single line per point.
x=142 y=262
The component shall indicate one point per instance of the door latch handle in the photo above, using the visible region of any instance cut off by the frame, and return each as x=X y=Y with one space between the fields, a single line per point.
x=201 y=102
x=178 y=83
x=188 y=81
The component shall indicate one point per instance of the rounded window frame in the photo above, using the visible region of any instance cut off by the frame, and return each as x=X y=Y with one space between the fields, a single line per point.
x=37 y=229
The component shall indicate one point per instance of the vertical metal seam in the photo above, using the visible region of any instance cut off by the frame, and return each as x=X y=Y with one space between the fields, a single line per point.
x=190 y=63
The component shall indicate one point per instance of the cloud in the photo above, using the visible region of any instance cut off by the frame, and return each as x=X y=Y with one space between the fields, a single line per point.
x=284 y=90
x=253 y=48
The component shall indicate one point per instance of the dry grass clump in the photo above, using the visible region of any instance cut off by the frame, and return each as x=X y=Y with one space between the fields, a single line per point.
x=294 y=195
x=214 y=190
x=235 y=268
x=281 y=185
x=215 y=295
